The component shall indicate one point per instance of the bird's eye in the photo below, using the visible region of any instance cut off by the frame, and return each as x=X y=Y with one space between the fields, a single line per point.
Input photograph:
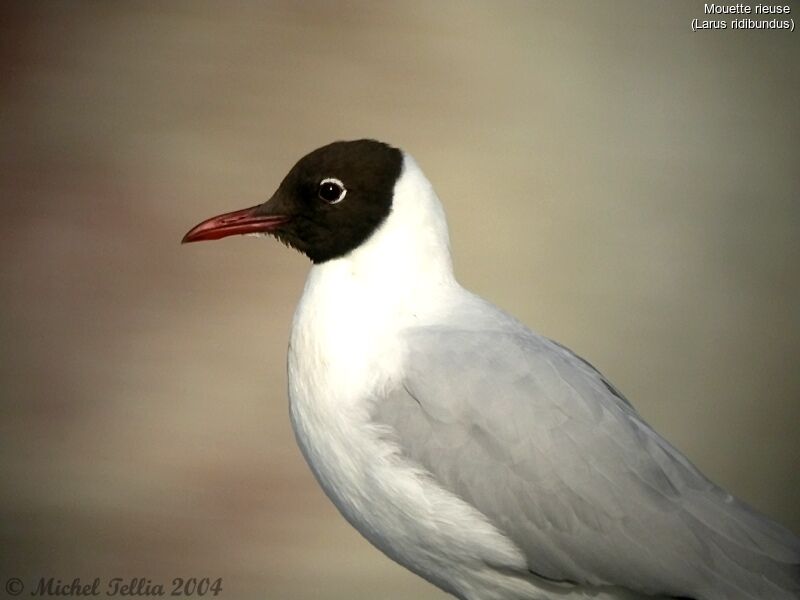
x=331 y=190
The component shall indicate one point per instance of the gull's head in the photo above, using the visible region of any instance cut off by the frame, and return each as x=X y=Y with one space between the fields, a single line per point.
x=330 y=203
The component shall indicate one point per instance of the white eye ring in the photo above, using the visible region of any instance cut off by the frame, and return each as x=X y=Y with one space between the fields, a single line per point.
x=327 y=185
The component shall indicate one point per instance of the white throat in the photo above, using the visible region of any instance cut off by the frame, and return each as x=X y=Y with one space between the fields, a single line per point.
x=352 y=307
x=410 y=250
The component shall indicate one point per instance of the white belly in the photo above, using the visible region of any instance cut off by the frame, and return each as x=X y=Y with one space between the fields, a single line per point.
x=403 y=512
x=394 y=504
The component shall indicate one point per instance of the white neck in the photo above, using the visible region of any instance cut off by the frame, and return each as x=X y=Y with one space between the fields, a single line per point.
x=410 y=251
x=353 y=306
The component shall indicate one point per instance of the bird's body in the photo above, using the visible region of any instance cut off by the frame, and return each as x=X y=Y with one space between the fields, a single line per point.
x=490 y=460
x=347 y=350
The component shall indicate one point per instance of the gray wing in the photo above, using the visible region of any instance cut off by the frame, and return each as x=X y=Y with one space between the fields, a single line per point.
x=551 y=453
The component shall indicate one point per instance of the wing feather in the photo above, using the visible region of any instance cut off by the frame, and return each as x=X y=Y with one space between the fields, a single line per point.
x=557 y=458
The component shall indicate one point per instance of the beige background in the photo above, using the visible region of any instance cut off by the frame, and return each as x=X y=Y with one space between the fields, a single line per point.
x=620 y=183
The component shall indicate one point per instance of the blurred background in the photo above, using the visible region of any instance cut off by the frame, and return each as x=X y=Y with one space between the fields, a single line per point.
x=621 y=184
